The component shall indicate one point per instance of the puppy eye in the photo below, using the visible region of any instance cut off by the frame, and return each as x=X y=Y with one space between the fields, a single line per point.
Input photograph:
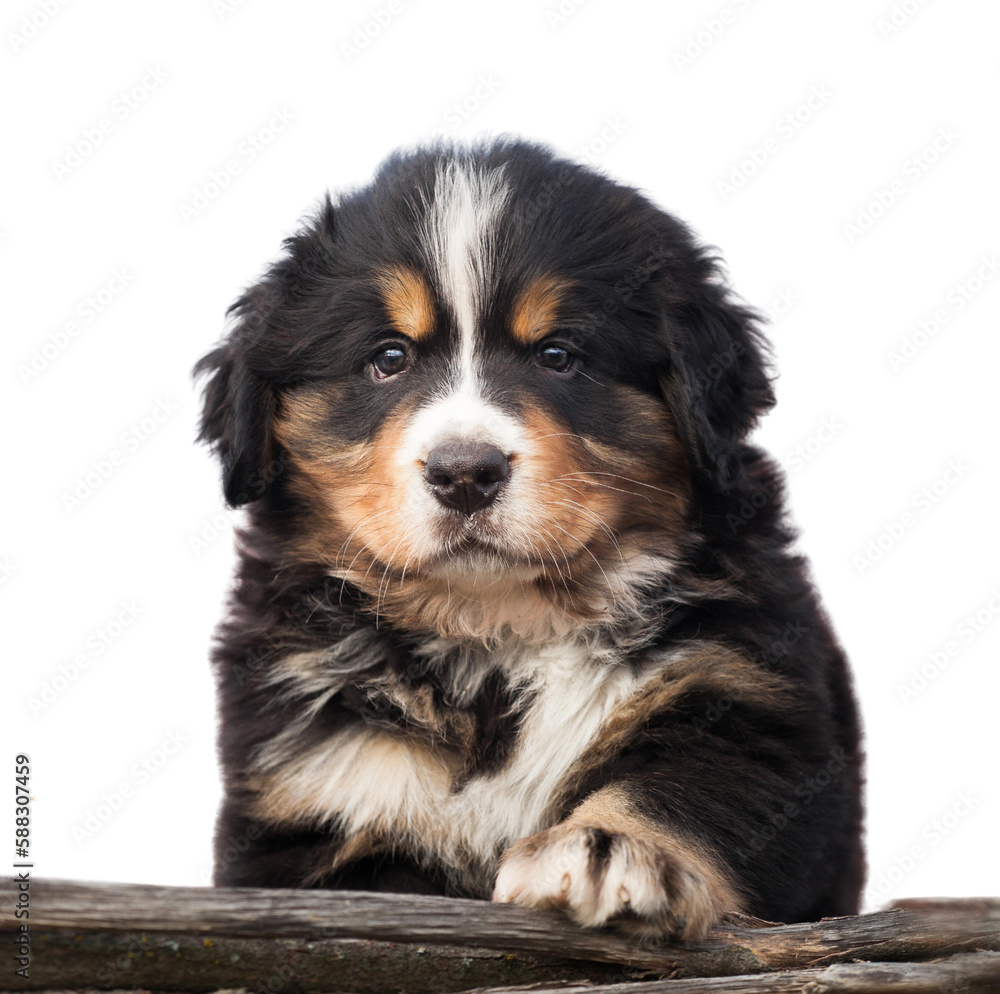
x=390 y=361
x=555 y=357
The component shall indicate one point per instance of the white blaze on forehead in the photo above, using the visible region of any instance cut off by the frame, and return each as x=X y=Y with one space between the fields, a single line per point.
x=460 y=239
x=461 y=415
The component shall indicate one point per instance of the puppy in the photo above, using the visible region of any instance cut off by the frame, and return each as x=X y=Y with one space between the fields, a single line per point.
x=516 y=613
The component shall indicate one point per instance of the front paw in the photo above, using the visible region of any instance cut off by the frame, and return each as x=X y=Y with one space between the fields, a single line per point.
x=646 y=883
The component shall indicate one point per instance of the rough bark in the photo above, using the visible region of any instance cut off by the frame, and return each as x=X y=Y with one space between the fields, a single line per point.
x=200 y=939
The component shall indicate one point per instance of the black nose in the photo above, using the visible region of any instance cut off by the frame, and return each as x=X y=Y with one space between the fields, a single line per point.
x=466 y=476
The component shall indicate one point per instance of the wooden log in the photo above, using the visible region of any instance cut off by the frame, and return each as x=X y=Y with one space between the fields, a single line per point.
x=358 y=972
x=969 y=972
x=66 y=960
x=526 y=945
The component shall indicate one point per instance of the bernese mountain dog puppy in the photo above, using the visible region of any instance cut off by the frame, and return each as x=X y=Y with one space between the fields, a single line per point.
x=517 y=614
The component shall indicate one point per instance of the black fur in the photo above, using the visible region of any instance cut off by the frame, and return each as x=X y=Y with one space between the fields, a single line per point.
x=766 y=773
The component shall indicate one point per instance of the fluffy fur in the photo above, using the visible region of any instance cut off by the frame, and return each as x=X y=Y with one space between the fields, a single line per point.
x=516 y=612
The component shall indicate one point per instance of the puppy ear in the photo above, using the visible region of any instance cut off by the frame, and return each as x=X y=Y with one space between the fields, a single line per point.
x=718 y=383
x=239 y=406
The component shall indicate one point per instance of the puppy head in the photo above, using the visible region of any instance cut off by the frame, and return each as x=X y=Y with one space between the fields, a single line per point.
x=491 y=383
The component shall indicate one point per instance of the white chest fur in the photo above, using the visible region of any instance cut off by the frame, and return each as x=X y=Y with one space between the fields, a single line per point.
x=368 y=781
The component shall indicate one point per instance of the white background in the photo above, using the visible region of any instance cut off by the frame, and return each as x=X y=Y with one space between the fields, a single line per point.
x=678 y=99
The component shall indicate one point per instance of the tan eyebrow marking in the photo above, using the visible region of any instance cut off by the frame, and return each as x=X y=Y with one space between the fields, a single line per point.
x=408 y=300
x=537 y=309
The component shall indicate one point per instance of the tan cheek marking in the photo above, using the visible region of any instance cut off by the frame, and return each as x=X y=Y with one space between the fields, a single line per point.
x=654 y=485
x=557 y=475
x=303 y=427
x=589 y=493
x=408 y=300
x=352 y=492
x=537 y=309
